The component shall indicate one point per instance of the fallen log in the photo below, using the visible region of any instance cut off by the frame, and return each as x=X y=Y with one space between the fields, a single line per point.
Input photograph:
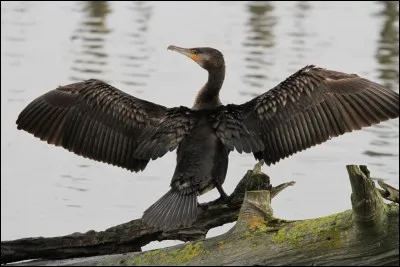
x=368 y=234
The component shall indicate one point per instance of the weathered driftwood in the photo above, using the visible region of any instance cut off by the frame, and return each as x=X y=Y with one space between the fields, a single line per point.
x=368 y=234
x=388 y=192
x=133 y=235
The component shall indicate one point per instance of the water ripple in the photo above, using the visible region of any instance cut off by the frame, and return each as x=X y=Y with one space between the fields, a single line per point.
x=134 y=70
x=259 y=45
x=89 y=41
x=387 y=53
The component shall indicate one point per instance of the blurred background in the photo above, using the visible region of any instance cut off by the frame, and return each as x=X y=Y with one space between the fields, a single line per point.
x=48 y=191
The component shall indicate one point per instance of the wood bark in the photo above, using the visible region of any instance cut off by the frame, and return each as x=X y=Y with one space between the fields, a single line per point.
x=368 y=234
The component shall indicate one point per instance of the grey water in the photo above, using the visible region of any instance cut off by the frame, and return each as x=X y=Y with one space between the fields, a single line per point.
x=48 y=191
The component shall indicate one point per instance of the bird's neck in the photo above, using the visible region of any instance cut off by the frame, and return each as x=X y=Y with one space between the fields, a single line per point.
x=208 y=96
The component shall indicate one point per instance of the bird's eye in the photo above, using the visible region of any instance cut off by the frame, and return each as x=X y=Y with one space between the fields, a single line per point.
x=194 y=52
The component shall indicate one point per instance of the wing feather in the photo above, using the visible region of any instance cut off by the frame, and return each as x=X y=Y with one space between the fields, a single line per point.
x=98 y=121
x=308 y=108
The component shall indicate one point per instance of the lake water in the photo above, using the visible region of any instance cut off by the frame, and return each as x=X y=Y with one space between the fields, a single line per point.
x=48 y=191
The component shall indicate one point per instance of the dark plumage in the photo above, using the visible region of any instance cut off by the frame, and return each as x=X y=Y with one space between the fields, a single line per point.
x=97 y=121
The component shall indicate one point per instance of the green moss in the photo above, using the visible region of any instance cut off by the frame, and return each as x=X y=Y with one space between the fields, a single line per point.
x=280 y=236
x=255 y=226
x=167 y=257
x=325 y=231
x=260 y=228
x=392 y=208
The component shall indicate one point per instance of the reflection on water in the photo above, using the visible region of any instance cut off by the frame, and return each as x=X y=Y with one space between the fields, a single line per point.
x=378 y=154
x=259 y=45
x=299 y=35
x=133 y=68
x=91 y=56
x=123 y=54
x=387 y=56
x=388 y=45
x=15 y=45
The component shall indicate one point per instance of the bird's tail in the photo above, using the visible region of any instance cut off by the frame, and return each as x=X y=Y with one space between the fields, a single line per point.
x=173 y=210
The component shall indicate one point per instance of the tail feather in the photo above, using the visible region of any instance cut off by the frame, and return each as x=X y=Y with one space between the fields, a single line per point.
x=158 y=210
x=173 y=210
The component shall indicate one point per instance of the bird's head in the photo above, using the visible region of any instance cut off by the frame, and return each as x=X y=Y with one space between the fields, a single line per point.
x=207 y=57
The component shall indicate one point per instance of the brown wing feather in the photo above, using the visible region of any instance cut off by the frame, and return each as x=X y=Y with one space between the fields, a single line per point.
x=308 y=108
x=174 y=126
x=97 y=121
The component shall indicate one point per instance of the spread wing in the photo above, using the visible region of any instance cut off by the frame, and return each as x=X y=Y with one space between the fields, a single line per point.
x=95 y=120
x=308 y=108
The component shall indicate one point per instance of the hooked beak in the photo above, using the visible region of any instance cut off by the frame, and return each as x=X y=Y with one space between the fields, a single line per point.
x=185 y=51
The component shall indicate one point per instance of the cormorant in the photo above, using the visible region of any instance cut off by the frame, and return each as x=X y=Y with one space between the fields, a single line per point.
x=96 y=120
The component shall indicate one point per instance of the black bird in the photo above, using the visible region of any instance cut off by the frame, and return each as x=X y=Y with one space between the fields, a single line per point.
x=96 y=120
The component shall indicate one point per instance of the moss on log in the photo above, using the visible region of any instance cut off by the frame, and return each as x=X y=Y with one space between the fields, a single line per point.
x=368 y=234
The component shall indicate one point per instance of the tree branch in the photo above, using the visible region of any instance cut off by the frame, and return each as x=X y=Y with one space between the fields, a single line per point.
x=388 y=192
